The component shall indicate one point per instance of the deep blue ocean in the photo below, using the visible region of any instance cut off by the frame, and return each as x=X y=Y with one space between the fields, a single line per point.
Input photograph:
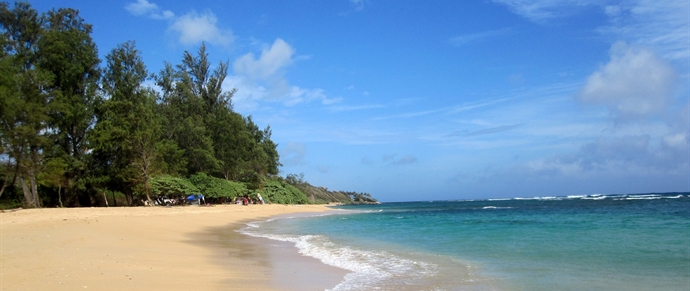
x=589 y=242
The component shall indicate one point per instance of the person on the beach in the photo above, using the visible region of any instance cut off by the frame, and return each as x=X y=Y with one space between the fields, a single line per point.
x=261 y=199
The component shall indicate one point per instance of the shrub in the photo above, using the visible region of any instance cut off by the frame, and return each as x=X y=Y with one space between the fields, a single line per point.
x=213 y=187
x=171 y=186
x=276 y=191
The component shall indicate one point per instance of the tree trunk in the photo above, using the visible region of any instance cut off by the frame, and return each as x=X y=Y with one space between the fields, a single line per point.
x=4 y=185
x=34 y=189
x=148 y=191
x=105 y=198
x=60 y=196
x=28 y=199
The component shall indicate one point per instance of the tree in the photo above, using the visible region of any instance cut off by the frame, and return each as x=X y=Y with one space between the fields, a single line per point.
x=68 y=53
x=144 y=141
x=127 y=129
x=232 y=143
x=24 y=99
x=192 y=101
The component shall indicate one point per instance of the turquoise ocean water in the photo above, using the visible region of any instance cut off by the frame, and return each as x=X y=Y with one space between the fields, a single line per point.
x=589 y=242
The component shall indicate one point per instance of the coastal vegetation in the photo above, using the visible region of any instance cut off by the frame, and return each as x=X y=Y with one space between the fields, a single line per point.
x=79 y=131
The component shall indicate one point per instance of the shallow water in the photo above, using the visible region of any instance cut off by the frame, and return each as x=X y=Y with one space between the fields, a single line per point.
x=594 y=242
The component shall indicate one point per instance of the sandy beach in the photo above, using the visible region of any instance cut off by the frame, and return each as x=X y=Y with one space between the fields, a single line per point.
x=153 y=248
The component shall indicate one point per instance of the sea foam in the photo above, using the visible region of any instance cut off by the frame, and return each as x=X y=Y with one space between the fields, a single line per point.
x=367 y=268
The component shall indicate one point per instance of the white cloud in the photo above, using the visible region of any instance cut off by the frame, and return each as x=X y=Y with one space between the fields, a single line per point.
x=676 y=140
x=299 y=95
x=270 y=63
x=635 y=83
x=193 y=28
x=143 y=7
x=263 y=78
x=167 y=14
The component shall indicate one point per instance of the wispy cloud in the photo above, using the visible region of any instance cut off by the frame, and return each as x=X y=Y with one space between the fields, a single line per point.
x=485 y=131
x=660 y=24
x=543 y=10
x=393 y=160
x=357 y=4
x=354 y=6
x=342 y=108
x=410 y=114
x=293 y=154
x=475 y=105
x=625 y=155
x=479 y=37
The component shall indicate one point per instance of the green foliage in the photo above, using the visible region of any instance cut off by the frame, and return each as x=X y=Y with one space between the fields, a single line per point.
x=236 y=188
x=10 y=204
x=198 y=117
x=125 y=137
x=25 y=101
x=115 y=198
x=213 y=187
x=277 y=191
x=321 y=195
x=170 y=157
x=190 y=95
x=66 y=51
x=171 y=186
x=361 y=197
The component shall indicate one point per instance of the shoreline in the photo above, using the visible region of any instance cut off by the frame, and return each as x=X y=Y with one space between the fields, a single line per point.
x=153 y=248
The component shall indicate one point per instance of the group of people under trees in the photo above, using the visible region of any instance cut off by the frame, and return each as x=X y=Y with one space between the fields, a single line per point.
x=246 y=199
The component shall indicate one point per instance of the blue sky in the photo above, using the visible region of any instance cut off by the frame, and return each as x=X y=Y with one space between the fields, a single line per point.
x=431 y=100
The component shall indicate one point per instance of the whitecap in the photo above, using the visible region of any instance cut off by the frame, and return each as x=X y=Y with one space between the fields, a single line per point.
x=495 y=207
x=673 y=197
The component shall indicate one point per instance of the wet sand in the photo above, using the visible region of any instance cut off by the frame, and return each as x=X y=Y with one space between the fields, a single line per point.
x=153 y=248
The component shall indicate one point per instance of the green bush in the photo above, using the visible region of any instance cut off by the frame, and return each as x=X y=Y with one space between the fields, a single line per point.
x=171 y=186
x=213 y=187
x=236 y=188
x=275 y=191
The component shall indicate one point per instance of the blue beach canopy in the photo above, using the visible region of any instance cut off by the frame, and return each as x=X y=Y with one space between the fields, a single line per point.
x=195 y=196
